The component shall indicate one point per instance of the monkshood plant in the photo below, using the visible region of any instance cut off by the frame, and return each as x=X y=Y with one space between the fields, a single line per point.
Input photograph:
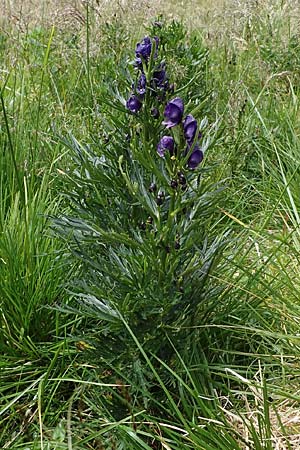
x=143 y=207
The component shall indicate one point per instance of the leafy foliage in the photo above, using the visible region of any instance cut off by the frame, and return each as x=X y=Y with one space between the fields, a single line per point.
x=186 y=336
x=141 y=232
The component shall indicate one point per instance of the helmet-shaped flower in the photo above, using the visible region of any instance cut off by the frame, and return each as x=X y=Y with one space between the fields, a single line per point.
x=173 y=112
x=165 y=144
x=159 y=79
x=141 y=84
x=143 y=48
x=195 y=158
x=133 y=104
x=190 y=128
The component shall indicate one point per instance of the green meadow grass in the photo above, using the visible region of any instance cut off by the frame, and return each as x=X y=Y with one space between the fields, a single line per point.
x=233 y=383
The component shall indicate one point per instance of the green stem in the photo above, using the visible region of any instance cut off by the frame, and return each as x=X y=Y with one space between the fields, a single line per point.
x=10 y=144
x=45 y=63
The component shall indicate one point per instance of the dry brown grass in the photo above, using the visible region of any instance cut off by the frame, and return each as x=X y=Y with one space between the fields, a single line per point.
x=218 y=19
x=218 y=16
x=284 y=417
x=284 y=424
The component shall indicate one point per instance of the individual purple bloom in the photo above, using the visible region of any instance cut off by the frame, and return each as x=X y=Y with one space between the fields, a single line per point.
x=195 y=158
x=141 y=84
x=143 y=49
x=190 y=128
x=173 y=112
x=133 y=104
x=159 y=78
x=166 y=143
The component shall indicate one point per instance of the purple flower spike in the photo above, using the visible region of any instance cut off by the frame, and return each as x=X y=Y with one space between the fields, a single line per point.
x=195 y=158
x=133 y=104
x=189 y=128
x=141 y=84
x=166 y=143
x=173 y=112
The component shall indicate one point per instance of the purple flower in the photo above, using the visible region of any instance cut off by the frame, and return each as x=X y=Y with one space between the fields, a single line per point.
x=166 y=143
x=189 y=128
x=195 y=158
x=159 y=77
x=141 y=84
x=143 y=49
x=133 y=104
x=173 y=112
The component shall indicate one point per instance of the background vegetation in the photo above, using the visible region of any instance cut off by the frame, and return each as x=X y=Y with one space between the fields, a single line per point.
x=231 y=380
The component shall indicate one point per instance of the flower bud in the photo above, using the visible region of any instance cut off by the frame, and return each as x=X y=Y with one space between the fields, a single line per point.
x=149 y=220
x=133 y=104
x=152 y=188
x=195 y=158
x=190 y=128
x=174 y=184
x=181 y=178
x=141 y=84
x=177 y=245
x=160 y=198
x=166 y=143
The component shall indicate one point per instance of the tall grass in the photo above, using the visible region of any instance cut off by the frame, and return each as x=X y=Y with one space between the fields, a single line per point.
x=232 y=382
